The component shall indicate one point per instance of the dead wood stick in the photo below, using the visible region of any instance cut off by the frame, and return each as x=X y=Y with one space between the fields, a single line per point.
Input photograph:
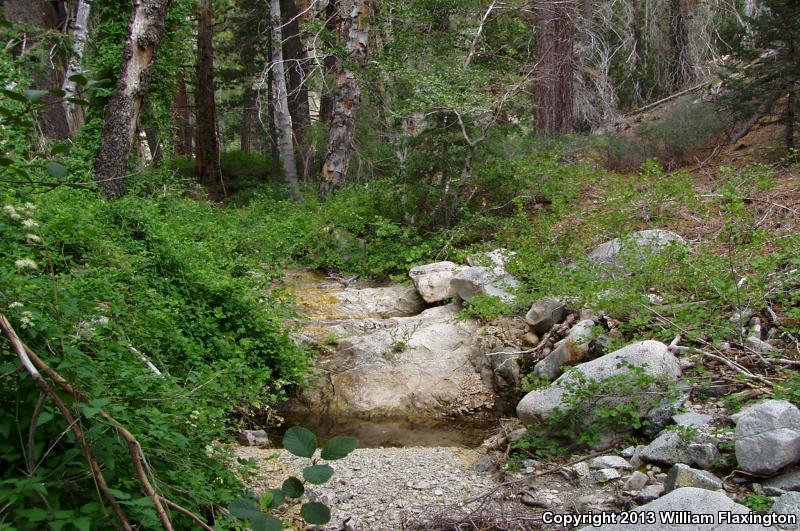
x=27 y=363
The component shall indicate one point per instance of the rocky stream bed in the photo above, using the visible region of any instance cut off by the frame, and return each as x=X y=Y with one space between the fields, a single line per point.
x=434 y=399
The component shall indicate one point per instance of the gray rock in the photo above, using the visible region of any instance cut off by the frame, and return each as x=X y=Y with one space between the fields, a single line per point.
x=758 y=345
x=483 y=465
x=688 y=500
x=582 y=470
x=637 y=481
x=257 y=438
x=637 y=245
x=670 y=448
x=660 y=416
x=789 y=504
x=653 y=356
x=767 y=437
x=628 y=452
x=604 y=475
x=478 y=280
x=498 y=258
x=682 y=475
x=693 y=419
x=391 y=301
x=433 y=280
x=534 y=501
x=650 y=493
x=703 y=455
x=569 y=351
x=517 y=434
x=609 y=461
x=789 y=481
x=545 y=313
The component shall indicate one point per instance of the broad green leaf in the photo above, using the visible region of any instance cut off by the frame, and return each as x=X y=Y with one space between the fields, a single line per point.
x=266 y=499
x=34 y=94
x=266 y=522
x=58 y=93
x=338 y=447
x=80 y=79
x=300 y=441
x=44 y=418
x=83 y=523
x=293 y=487
x=56 y=169
x=13 y=95
x=278 y=497
x=317 y=474
x=6 y=162
x=315 y=513
x=78 y=101
x=244 y=509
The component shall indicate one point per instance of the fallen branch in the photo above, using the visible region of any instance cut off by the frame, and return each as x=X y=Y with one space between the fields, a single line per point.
x=33 y=362
x=665 y=100
x=30 y=366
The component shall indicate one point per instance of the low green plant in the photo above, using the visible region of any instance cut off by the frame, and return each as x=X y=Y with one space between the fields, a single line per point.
x=302 y=442
x=757 y=502
x=485 y=308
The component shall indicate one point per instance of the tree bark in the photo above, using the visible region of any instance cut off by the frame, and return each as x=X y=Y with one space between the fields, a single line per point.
x=145 y=29
x=271 y=130
x=79 y=32
x=294 y=56
x=282 y=105
x=206 y=143
x=555 y=54
x=183 y=120
x=355 y=28
x=329 y=63
x=49 y=16
x=790 y=119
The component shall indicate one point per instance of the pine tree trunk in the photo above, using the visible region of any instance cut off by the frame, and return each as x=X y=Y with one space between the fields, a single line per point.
x=183 y=120
x=248 y=103
x=294 y=56
x=145 y=30
x=329 y=63
x=355 y=28
x=79 y=32
x=206 y=144
x=790 y=119
x=282 y=105
x=555 y=39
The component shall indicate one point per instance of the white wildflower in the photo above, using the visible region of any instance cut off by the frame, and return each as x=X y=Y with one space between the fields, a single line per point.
x=15 y=304
x=32 y=238
x=25 y=263
x=11 y=212
x=30 y=206
x=30 y=224
x=26 y=319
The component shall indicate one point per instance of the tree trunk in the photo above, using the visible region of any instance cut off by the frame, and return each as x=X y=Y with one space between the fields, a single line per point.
x=271 y=130
x=329 y=63
x=282 y=105
x=355 y=28
x=183 y=120
x=153 y=143
x=555 y=54
x=791 y=119
x=79 y=32
x=294 y=55
x=248 y=103
x=145 y=30
x=206 y=143
x=49 y=16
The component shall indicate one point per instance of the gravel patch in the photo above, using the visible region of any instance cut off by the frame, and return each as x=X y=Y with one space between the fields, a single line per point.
x=375 y=488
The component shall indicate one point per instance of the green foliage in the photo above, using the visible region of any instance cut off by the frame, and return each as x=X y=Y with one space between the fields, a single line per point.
x=757 y=502
x=485 y=308
x=303 y=443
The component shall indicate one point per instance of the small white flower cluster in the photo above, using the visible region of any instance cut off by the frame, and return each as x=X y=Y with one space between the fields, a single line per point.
x=26 y=319
x=26 y=263
x=15 y=304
